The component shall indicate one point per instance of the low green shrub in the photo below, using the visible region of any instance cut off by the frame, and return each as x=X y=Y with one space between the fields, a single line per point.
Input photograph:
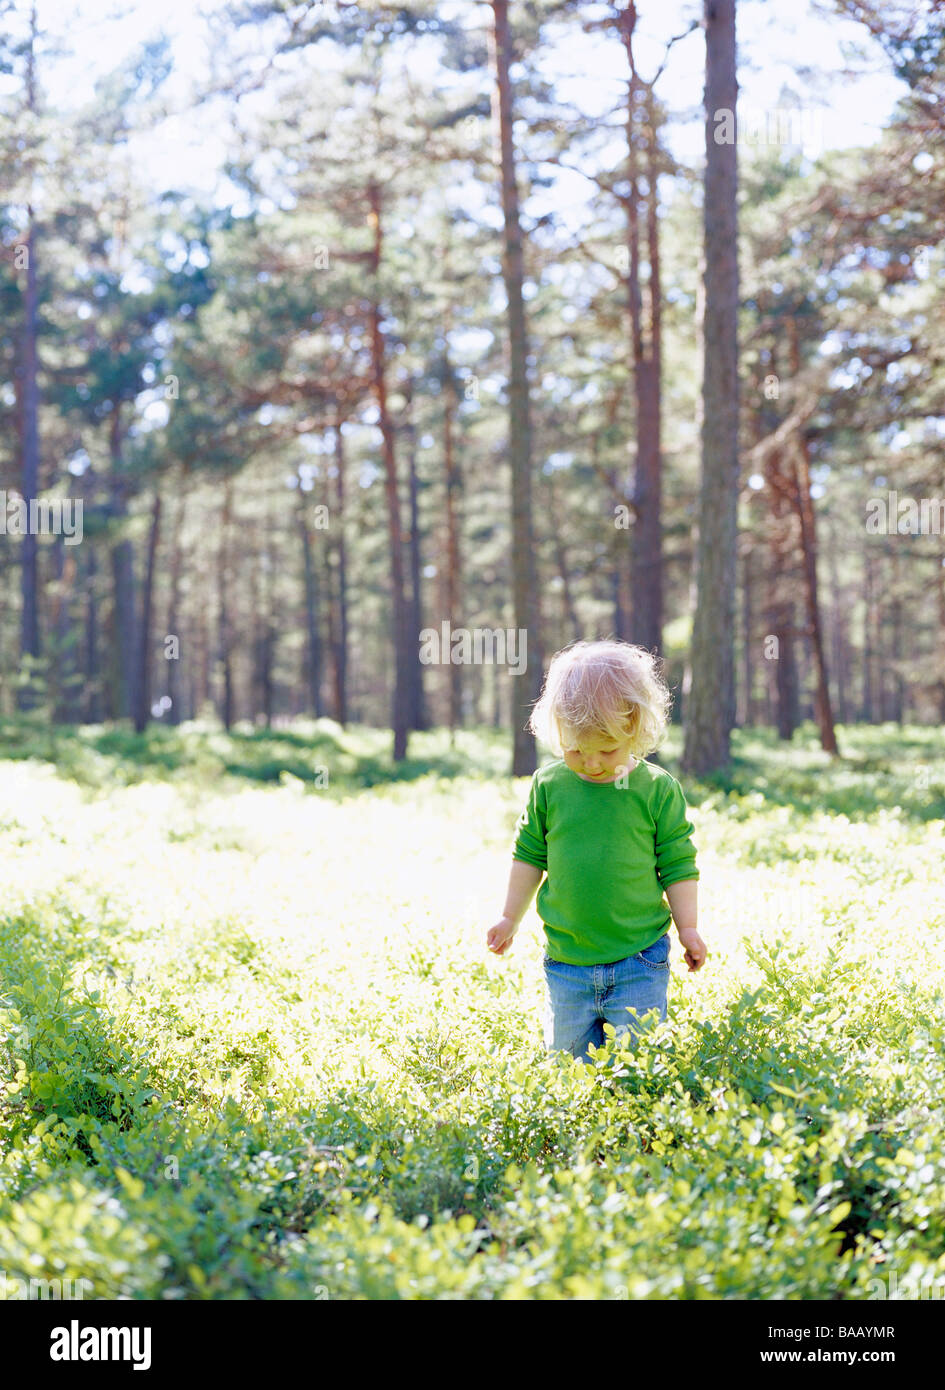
x=252 y=1047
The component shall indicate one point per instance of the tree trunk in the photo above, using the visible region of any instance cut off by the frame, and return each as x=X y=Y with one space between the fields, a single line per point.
x=267 y=641
x=780 y=625
x=571 y=620
x=124 y=634
x=173 y=612
x=711 y=702
x=787 y=683
x=223 y=603
x=883 y=644
x=314 y=645
x=202 y=693
x=646 y=579
x=748 y=639
x=92 y=692
x=29 y=425
x=869 y=685
x=255 y=638
x=145 y=656
x=805 y=512
x=418 y=713
x=898 y=684
x=838 y=631
x=621 y=586
x=783 y=547
x=64 y=675
x=940 y=583
x=339 y=640
x=808 y=531
x=400 y=718
x=454 y=485
x=527 y=615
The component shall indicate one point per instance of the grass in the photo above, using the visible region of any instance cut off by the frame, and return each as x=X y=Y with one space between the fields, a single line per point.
x=257 y=1049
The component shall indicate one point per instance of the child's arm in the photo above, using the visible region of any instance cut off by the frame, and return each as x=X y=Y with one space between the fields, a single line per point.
x=682 y=899
x=523 y=880
x=529 y=863
x=676 y=861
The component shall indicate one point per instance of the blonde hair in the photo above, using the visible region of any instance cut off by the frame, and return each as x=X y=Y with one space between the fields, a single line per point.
x=610 y=688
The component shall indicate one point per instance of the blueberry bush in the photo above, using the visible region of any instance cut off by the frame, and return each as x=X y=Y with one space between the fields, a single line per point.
x=253 y=1045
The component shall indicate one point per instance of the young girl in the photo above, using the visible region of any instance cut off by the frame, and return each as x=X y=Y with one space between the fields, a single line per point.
x=611 y=831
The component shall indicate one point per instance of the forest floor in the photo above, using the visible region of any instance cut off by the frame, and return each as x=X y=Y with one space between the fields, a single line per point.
x=252 y=1043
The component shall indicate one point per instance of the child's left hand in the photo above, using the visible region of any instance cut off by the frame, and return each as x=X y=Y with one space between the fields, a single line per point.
x=693 y=946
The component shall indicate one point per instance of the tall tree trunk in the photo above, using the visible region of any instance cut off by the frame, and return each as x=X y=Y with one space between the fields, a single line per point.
x=780 y=622
x=223 y=603
x=616 y=579
x=572 y=622
x=869 y=684
x=29 y=418
x=454 y=487
x=898 y=685
x=339 y=640
x=527 y=617
x=648 y=498
x=780 y=527
x=64 y=673
x=418 y=714
x=806 y=517
x=400 y=718
x=267 y=642
x=92 y=682
x=621 y=580
x=202 y=693
x=940 y=583
x=145 y=655
x=173 y=610
x=805 y=512
x=123 y=581
x=255 y=635
x=881 y=644
x=313 y=663
x=711 y=704
x=5 y=587
x=748 y=639
x=646 y=577
x=787 y=683
x=29 y=623
x=838 y=642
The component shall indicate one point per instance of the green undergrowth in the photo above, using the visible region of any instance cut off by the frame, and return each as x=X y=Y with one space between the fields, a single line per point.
x=252 y=1046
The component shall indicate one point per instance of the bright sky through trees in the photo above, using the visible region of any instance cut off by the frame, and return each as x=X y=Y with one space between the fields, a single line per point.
x=804 y=54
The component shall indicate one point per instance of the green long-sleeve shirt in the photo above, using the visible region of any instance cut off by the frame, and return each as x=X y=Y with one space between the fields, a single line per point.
x=609 y=852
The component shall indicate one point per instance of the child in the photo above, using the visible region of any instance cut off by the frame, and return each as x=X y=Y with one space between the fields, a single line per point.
x=612 y=832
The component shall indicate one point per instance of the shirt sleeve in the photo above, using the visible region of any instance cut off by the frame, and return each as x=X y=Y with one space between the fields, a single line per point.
x=675 y=853
x=529 y=844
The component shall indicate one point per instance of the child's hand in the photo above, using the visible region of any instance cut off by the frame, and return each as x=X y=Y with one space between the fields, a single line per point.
x=499 y=937
x=694 y=947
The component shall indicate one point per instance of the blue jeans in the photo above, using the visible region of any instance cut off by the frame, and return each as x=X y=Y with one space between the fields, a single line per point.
x=582 y=998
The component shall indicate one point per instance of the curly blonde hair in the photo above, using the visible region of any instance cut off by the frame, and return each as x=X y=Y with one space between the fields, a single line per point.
x=610 y=688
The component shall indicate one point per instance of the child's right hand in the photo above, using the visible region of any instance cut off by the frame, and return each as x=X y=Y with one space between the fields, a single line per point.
x=499 y=937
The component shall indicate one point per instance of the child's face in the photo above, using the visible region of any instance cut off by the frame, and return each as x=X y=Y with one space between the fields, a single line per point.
x=596 y=757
